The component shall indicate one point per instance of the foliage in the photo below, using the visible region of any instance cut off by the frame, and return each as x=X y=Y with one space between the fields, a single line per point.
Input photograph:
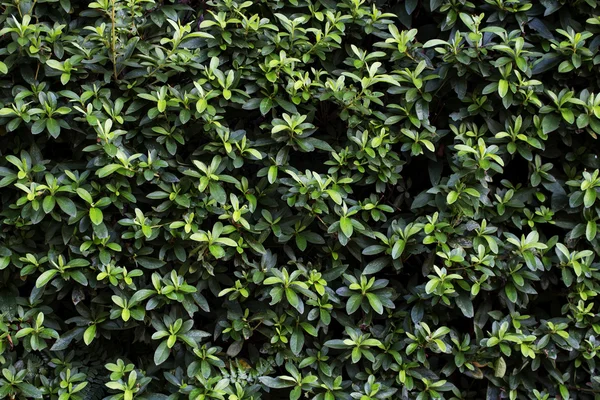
x=299 y=199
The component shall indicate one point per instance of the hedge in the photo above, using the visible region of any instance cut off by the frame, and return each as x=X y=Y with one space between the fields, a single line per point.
x=316 y=199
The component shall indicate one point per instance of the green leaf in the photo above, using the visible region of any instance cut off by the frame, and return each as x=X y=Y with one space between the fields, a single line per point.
x=465 y=304
x=292 y=298
x=336 y=344
x=502 y=87
x=272 y=174
x=564 y=392
x=161 y=105
x=275 y=383
x=96 y=216
x=30 y=391
x=227 y=241
x=398 y=249
x=500 y=369
x=590 y=230
x=265 y=105
x=356 y=355
x=335 y=196
x=48 y=204
x=38 y=126
x=85 y=195
x=589 y=198
x=353 y=303
x=565 y=67
x=550 y=123
x=511 y=292
x=567 y=115
x=216 y=250
x=149 y=262
x=53 y=127
x=375 y=303
x=66 y=5
x=297 y=341
x=217 y=192
x=54 y=64
x=376 y=265
x=108 y=170
x=45 y=277
x=452 y=197
x=89 y=334
x=301 y=242
x=162 y=353
x=235 y=348
x=435 y=4
x=346 y=226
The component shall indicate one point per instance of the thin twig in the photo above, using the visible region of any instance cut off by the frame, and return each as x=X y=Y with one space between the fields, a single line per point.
x=584 y=389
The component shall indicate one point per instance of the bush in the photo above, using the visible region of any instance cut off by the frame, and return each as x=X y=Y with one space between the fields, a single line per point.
x=299 y=199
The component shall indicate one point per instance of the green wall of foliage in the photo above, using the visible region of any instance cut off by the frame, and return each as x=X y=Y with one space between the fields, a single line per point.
x=303 y=199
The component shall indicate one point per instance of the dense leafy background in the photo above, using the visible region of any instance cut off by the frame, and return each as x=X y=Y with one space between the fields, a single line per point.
x=299 y=199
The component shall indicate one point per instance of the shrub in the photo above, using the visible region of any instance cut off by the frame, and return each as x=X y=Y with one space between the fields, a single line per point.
x=299 y=199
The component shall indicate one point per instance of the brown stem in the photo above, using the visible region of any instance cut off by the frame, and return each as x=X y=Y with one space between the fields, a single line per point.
x=584 y=389
x=319 y=218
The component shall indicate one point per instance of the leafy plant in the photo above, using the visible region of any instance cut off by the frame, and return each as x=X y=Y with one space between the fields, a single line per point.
x=331 y=200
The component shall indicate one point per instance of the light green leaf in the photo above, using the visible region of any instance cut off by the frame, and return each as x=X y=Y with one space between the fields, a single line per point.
x=346 y=226
x=108 y=170
x=85 y=195
x=502 y=87
x=96 y=215
x=45 y=277
x=452 y=197
x=89 y=334
x=375 y=303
